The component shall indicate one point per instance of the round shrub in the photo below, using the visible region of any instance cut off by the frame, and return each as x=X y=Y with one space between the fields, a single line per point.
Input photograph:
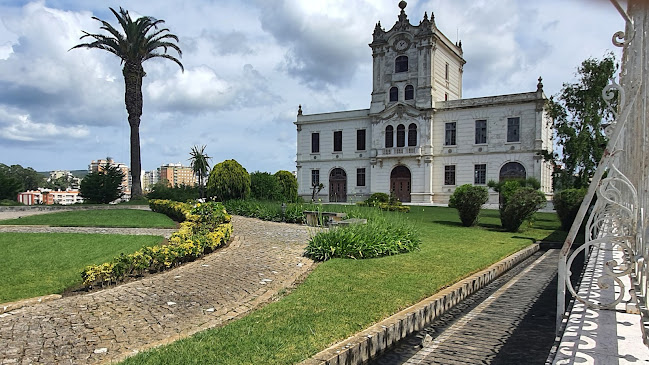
x=228 y=180
x=264 y=186
x=567 y=203
x=287 y=186
x=468 y=200
x=520 y=206
x=375 y=199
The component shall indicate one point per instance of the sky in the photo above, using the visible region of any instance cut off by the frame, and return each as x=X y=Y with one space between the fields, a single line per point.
x=248 y=65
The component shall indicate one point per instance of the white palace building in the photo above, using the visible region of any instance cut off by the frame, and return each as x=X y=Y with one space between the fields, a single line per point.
x=419 y=139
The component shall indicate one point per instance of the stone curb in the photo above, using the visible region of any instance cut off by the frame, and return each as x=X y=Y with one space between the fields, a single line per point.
x=365 y=345
x=54 y=208
x=7 y=307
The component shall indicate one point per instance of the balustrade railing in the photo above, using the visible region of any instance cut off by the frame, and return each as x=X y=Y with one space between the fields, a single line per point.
x=410 y=151
x=618 y=219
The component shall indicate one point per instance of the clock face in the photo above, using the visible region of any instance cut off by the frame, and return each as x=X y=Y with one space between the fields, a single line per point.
x=401 y=45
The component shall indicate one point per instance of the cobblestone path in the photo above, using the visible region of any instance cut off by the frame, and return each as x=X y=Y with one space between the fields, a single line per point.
x=479 y=329
x=109 y=325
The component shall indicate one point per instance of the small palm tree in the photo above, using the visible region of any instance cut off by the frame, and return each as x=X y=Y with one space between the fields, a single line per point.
x=201 y=166
x=141 y=40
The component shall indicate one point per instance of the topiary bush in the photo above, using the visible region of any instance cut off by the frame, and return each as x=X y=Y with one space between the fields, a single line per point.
x=228 y=180
x=264 y=186
x=180 y=193
x=567 y=203
x=468 y=201
x=520 y=205
x=287 y=186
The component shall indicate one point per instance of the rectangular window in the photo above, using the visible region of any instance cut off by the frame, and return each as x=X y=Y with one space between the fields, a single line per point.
x=449 y=175
x=360 y=140
x=360 y=177
x=480 y=131
x=450 y=134
x=338 y=141
x=480 y=174
x=513 y=129
x=446 y=72
x=315 y=177
x=315 y=142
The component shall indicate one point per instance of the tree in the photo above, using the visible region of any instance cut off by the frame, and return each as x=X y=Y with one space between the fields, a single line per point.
x=9 y=185
x=103 y=186
x=580 y=114
x=228 y=180
x=199 y=161
x=287 y=185
x=141 y=40
x=468 y=200
x=264 y=186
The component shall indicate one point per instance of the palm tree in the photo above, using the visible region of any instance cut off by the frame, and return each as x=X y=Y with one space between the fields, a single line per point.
x=200 y=165
x=141 y=40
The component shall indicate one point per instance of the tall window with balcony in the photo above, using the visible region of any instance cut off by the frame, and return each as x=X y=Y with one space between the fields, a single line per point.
x=409 y=92
x=315 y=142
x=394 y=94
x=389 y=136
x=401 y=64
x=401 y=135
x=360 y=139
x=412 y=135
x=480 y=174
x=480 y=131
x=450 y=134
x=513 y=129
x=315 y=177
x=360 y=177
x=338 y=141
x=449 y=175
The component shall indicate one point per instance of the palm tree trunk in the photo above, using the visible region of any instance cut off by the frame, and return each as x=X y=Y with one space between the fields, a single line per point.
x=133 y=74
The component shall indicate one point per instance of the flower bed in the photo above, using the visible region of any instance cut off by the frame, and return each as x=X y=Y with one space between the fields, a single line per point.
x=203 y=228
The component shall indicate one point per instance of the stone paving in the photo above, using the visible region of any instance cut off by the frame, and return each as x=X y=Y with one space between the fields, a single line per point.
x=111 y=324
x=478 y=330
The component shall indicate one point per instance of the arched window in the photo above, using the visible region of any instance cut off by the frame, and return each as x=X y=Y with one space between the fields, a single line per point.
x=410 y=92
x=512 y=170
x=389 y=136
x=401 y=64
x=401 y=135
x=412 y=134
x=394 y=94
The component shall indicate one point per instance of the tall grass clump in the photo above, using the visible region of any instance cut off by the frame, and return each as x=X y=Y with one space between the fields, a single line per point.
x=383 y=235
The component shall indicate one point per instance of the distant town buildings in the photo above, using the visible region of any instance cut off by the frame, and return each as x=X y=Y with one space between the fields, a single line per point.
x=50 y=197
x=177 y=174
x=72 y=181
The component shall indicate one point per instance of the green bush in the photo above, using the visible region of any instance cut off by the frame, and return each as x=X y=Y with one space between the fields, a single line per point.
x=228 y=180
x=381 y=236
x=264 y=186
x=9 y=202
x=287 y=186
x=375 y=199
x=468 y=201
x=267 y=210
x=384 y=201
x=567 y=203
x=179 y=193
x=204 y=227
x=520 y=206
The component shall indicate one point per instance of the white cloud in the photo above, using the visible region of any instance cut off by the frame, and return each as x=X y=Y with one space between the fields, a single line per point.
x=19 y=127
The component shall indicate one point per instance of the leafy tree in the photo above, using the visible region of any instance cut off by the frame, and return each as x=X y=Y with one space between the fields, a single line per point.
x=28 y=178
x=141 y=40
x=468 y=201
x=264 y=186
x=9 y=185
x=201 y=166
x=103 y=186
x=567 y=203
x=580 y=114
x=287 y=185
x=228 y=180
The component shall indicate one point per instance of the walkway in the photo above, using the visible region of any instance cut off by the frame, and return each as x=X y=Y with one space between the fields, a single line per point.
x=485 y=328
x=109 y=325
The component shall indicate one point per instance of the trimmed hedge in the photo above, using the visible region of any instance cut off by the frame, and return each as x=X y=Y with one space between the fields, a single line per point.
x=567 y=203
x=204 y=227
x=468 y=200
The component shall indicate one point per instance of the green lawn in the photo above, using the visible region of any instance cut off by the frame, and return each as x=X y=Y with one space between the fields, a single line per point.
x=34 y=264
x=342 y=296
x=128 y=218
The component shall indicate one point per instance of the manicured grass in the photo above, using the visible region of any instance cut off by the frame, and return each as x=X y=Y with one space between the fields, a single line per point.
x=128 y=218
x=34 y=264
x=343 y=296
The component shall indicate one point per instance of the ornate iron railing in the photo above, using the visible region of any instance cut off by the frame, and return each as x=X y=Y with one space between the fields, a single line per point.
x=618 y=219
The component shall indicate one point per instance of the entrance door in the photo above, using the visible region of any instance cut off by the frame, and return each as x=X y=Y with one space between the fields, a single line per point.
x=337 y=186
x=400 y=183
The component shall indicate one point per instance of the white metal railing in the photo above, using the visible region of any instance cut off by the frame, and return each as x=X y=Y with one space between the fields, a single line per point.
x=410 y=151
x=618 y=220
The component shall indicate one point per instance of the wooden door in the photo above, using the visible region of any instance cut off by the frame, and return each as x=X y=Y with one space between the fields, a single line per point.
x=400 y=183
x=337 y=186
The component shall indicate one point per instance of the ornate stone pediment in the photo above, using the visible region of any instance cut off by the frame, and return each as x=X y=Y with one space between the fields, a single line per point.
x=398 y=110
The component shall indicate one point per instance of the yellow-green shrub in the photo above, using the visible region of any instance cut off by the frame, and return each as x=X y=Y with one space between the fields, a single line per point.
x=204 y=228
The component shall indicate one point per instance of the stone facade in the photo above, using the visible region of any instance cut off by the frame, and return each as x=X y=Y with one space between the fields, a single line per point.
x=419 y=139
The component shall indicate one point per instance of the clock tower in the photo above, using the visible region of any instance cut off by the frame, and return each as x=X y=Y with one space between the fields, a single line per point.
x=414 y=64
